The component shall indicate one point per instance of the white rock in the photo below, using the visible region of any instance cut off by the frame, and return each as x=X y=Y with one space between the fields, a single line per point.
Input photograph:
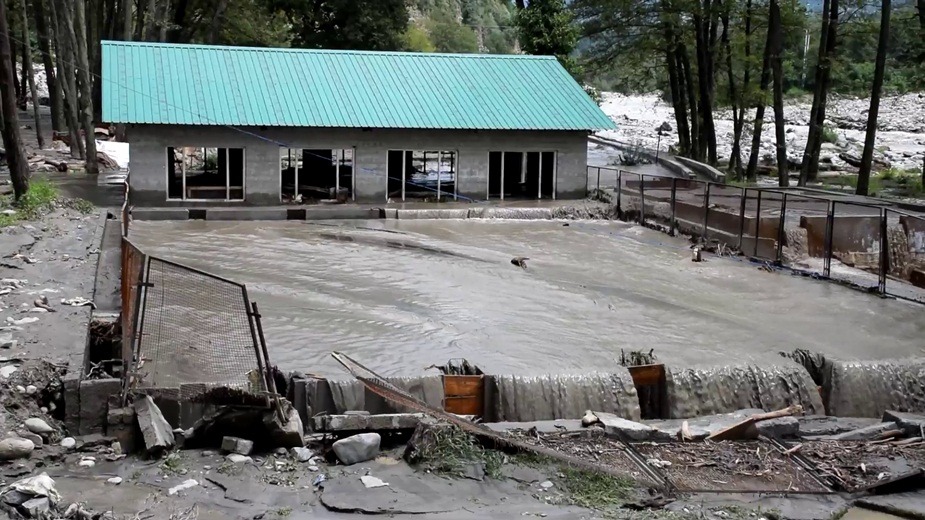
x=68 y=442
x=180 y=487
x=115 y=480
x=20 y=389
x=15 y=448
x=237 y=458
x=302 y=454
x=357 y=448
x=7 y=371
x=313 y=468
x=87 y=463
x=36 y=425
x=30 y=390
x=372 y=482
x=546 y=485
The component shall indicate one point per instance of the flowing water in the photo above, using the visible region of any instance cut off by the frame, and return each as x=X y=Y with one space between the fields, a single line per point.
x=399 y=296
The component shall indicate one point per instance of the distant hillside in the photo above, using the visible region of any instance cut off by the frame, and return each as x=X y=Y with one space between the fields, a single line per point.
x=462 y=26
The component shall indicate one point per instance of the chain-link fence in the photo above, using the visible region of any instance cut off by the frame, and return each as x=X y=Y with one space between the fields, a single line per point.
x=865 y=243
x=195 y=327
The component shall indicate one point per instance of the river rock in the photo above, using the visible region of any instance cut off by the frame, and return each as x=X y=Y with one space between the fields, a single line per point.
x=302 y=454
x=36 y=425
x=37 y=507
x=68 y=442
x=357 y=448
x=115 y=480
x=34 y=437
x=15 y=448
x=237 y=458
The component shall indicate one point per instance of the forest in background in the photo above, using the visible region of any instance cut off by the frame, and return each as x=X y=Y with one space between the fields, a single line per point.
x=704 y=55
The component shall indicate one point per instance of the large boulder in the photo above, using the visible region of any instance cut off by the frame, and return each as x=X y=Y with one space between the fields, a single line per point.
x=15 y=448
x=357 y=448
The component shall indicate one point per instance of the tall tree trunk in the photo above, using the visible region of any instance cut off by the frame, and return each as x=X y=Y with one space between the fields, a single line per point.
x=54 y=92
x=66 y=74
x=27 y=66
x=831 y=41
x=746 y=83
x=162 y=16
x=86 y=85
x=24 y=81
x=151 y=21
x=12 y=141
x=688 y=83
x=867 y=157
x=774 y=23
x=17 y=92
x=127 y=19
x=752 y=171
x=735 y=158
x=216 y=25
x=678 y=101
x=705 y=81
x=179 y=21
x=822 y=82
x=921 y=7
x=139 y=21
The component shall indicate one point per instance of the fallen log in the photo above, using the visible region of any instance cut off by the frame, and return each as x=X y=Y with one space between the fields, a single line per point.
x=746 y=429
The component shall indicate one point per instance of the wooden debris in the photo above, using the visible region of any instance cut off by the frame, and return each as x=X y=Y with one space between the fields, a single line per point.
x=684 y=434
x=793 y=450
x=744 y=430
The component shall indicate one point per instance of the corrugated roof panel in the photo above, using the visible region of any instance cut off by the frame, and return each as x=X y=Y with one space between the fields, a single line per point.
x=212 y=85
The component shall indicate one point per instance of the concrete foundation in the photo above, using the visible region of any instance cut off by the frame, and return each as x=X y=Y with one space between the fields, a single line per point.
x=148 y=162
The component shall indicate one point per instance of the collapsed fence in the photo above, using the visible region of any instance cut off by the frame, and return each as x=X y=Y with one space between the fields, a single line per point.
x=876 y=247
x=189 y=330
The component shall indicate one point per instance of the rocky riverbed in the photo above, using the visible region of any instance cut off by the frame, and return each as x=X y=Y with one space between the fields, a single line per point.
x=900 y=137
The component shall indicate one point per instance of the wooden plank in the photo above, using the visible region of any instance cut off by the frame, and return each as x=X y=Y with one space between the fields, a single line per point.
x=463 y=405
x=647 y=375
x=463 y=386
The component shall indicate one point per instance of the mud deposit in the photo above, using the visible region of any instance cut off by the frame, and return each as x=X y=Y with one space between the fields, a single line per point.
x=401 y=295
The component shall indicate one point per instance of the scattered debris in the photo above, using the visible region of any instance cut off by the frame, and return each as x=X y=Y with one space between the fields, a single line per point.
x=520 y=261
x=32 y=497
x=42 y=303
x=318 y=481
x=157 y=433
x=746 y=429
x=237 y=445
x=78 y=302
x=458 y=367
x=868 y=433
x=22 y=321
x=357 y=448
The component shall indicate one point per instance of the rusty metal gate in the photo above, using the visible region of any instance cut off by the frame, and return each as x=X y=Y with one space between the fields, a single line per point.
x=195 y=328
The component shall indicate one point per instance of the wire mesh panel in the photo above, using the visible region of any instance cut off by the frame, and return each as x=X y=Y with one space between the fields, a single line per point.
x=906 y=255
x=133 y=261
x=195 y=328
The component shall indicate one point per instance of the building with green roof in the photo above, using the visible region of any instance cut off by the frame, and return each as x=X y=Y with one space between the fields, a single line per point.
x=213 y=125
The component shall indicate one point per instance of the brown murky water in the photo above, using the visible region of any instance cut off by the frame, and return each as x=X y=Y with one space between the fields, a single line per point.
x=402 y=295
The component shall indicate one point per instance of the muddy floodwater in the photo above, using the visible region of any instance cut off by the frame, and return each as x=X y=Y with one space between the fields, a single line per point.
x=399 y=296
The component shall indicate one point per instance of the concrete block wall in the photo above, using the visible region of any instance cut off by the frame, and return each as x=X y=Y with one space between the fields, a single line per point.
x=148 y=162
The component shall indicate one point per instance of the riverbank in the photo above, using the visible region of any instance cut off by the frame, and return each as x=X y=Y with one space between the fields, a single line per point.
x=900 y=139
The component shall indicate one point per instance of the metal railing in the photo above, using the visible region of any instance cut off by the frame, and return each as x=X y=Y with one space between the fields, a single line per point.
x=883 y=242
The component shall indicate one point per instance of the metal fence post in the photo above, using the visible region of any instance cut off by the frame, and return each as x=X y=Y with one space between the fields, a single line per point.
x=598 y=178
x=674 y=189
x=758 y=223
x=829 y=230
x=781 y=230
x=706 y=210
x=884 y=250
x=642 y=198
x=744 y=197
x=587 y=178
x=619 y=191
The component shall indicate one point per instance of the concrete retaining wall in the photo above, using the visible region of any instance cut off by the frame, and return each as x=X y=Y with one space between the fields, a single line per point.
x=523 y=398
x=696 y=391
x=148 y=178
x=703 y=170
x=869 y=388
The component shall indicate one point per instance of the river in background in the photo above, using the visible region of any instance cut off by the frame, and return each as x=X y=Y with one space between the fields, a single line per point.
x=399 y=296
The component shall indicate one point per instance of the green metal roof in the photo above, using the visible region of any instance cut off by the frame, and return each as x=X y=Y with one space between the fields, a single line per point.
x=153 y=83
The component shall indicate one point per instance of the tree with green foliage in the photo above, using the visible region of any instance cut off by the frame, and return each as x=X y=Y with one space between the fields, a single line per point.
x=546 y=27
x=346 y=24
x=450 y=36
x=417 y=40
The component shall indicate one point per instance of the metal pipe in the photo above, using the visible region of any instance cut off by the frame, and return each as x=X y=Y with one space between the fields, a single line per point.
x=884 y=250
x=502 y=175
x=253 y=316
x=555 y=174
x=757 y=224
x=439 y=165
x=674 y=188
x=742 y=201
x=598 y=178
x=404 y=167
x=619 y=191
x=827 y=243
x=642 y=197
x=706 y=210
x=539 y=182
x=781 y=231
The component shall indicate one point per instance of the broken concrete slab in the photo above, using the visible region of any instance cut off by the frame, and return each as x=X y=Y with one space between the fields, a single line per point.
x=906 y=505
x=94 y=403
x=156 y=431
x=357 y=448
x=360 y=422
x=910 y=423
x=702 y=427
x=817 y=425
x=237 y=445
x=629 y=430
x=780 y=428
x=866 y=434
